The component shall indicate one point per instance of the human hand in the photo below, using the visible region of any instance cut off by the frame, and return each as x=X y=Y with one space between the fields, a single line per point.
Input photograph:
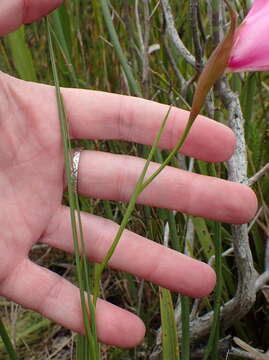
x=26 y=12
x=32 y=183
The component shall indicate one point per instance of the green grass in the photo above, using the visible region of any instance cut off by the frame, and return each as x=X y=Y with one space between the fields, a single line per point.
x=87 y=58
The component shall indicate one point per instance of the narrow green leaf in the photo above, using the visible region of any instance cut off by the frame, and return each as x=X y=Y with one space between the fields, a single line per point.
x=138 y=189
x=204 y=236
x=21 y=55
x=212 y=346
x=88 y=310
x=185 y=326
x=135 y=89
x=61 y=25
x=248 y=96
x=169 y=330
x=7 y=342
x=61 y=31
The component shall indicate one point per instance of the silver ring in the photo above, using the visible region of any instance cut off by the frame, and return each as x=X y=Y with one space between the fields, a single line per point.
x=75 y=168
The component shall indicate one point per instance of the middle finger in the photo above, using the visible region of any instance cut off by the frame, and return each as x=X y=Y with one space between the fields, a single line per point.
x=113 y=177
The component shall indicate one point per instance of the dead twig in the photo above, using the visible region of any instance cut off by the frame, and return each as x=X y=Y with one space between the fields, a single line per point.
x=258 y=175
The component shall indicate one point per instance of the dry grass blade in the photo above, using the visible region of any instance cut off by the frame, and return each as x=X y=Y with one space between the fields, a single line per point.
x=243 y=345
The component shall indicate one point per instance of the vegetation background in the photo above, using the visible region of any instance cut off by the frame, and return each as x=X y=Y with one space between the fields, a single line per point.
x=86 y=58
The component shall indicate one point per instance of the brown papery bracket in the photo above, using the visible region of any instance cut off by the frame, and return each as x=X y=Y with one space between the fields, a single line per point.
x=215 y=66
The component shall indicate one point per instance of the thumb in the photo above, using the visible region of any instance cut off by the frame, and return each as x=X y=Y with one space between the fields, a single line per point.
x=14 y=13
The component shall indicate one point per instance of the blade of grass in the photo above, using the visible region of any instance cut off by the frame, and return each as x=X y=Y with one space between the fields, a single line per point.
x=88 y=310
x=25 y=332
x=59 y=33
x=5 y=58
x=173 y=229
x=115 y=41
x=7 y=342
x=169 y=330
x=212 y=346
x=21 y=55
x=204 y=236
x=185 y=327
x=130 y=207
x=248 y=97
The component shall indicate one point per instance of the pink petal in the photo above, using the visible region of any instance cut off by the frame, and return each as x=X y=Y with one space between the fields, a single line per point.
x=251 y=49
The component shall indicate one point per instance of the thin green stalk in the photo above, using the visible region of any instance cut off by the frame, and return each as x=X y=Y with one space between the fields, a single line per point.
x=80 y=254
x=185 y=326
x=170 y=345
x=173 y=229
x=8 y=344
x=101 y=267
x=59 y=36
x=140 y=186
x=115 y=41
x=212 y=346
x=172 y=153
x=84 y=284
x=185 y=312
x=130 y=208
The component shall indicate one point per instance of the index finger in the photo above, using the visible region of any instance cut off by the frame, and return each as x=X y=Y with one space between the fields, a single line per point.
x=99 y=115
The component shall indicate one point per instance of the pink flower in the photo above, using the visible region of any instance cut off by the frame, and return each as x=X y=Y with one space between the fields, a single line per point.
x=251 y=48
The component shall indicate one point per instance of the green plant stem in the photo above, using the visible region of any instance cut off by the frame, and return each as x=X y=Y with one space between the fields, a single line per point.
x=80 y=254
x=101 y=267
x=171 y=155
x=173 y=229
x=8 y=344
x=115 y=41
x=129 y=210
x=140 y=186
x=212 y=346
x=61 y=42
x=185 y=321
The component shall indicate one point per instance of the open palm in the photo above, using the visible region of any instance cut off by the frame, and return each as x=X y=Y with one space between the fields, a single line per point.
x=32 y=183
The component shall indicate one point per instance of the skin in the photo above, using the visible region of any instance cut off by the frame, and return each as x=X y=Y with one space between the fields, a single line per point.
x=32 y=183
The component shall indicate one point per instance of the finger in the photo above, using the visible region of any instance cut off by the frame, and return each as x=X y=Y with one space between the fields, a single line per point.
x=14 y=13
x=54 y=297
x=113 y=177
x=134 y=254
x=99 y=115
